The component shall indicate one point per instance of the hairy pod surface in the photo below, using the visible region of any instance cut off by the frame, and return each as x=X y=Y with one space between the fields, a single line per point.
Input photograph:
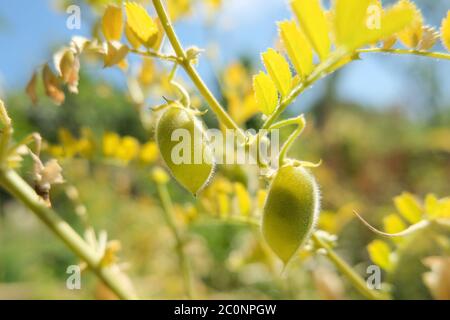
x=195 y=170
x=291 y=210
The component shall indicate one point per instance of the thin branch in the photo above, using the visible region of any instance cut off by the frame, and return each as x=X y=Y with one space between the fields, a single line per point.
x=111 y=276
x=437 y=55
x=216 y=107
x=167 y=207
x=347 y=270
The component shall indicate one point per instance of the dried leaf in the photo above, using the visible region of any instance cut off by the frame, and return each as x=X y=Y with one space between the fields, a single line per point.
x=52 y=85
x=115 y=53
x=438 y=279
x=31 y=88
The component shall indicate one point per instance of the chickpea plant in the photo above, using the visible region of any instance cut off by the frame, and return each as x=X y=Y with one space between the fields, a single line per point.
x=315 y=43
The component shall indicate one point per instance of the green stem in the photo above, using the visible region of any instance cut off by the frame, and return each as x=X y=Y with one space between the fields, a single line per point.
x=300 y=122
x=157 y=55
x=15 y=185
x=220 y=112
x=167 y=207
x=437 y=55
x=6 y=132
x=346 y=270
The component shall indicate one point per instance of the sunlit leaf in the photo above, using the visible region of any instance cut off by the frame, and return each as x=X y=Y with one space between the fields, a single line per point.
x=380 y=254
x=408 y=206
x=355 y=20
x=224 y=204
x=133 y=40
x=445 y=31
x=314 y=25
x=112 y=23
x=140 y=22
x=149 y=152
x=375 y=24
x=393 y=224
x=411 y=35
x=243 y=199
x=266 y=94
x=278 y=69
x=437 y=208
x=297 y=47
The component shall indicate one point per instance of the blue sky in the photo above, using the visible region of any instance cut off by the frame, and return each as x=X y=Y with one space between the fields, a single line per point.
x=30 y=30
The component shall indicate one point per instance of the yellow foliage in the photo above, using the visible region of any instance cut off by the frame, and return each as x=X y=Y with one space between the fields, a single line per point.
x=139 y=21
x=112 y=23
x=381 y=254
x=278 y=69
x=149 y=152
x=412 y=35
x=297 y=47
x=408 y=206
x=314 y=25
x=266 y=94
x=445 y=31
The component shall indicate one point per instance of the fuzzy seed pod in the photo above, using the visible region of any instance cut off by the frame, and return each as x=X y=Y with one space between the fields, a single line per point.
x=291 y=210
x=183 y=145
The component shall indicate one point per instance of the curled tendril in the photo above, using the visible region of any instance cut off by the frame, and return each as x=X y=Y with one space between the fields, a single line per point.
x=408 y=231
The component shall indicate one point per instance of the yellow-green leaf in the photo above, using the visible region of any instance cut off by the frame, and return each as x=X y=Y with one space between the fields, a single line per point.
x=393 y=224
x=393 y=20
x=266 y=94
x=278 y=69
x=314 y=25
x=364 y=22
x=112 y=23
x=140 y=22
x=297 y=47
x=431 y=205
x=380 y=254
x=243 y=199
x=133 y=40
x=353 y=19
x=411 y=35
x=445 y=31
x=408 y=207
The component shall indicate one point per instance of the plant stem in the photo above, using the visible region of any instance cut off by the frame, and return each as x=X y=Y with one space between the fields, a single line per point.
x=157 y=55
x=300 y=122
x=220 y=112
x=437 y=55
x=15 y=185
x=167 y=207
x=6 y=132
x=347 y=270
